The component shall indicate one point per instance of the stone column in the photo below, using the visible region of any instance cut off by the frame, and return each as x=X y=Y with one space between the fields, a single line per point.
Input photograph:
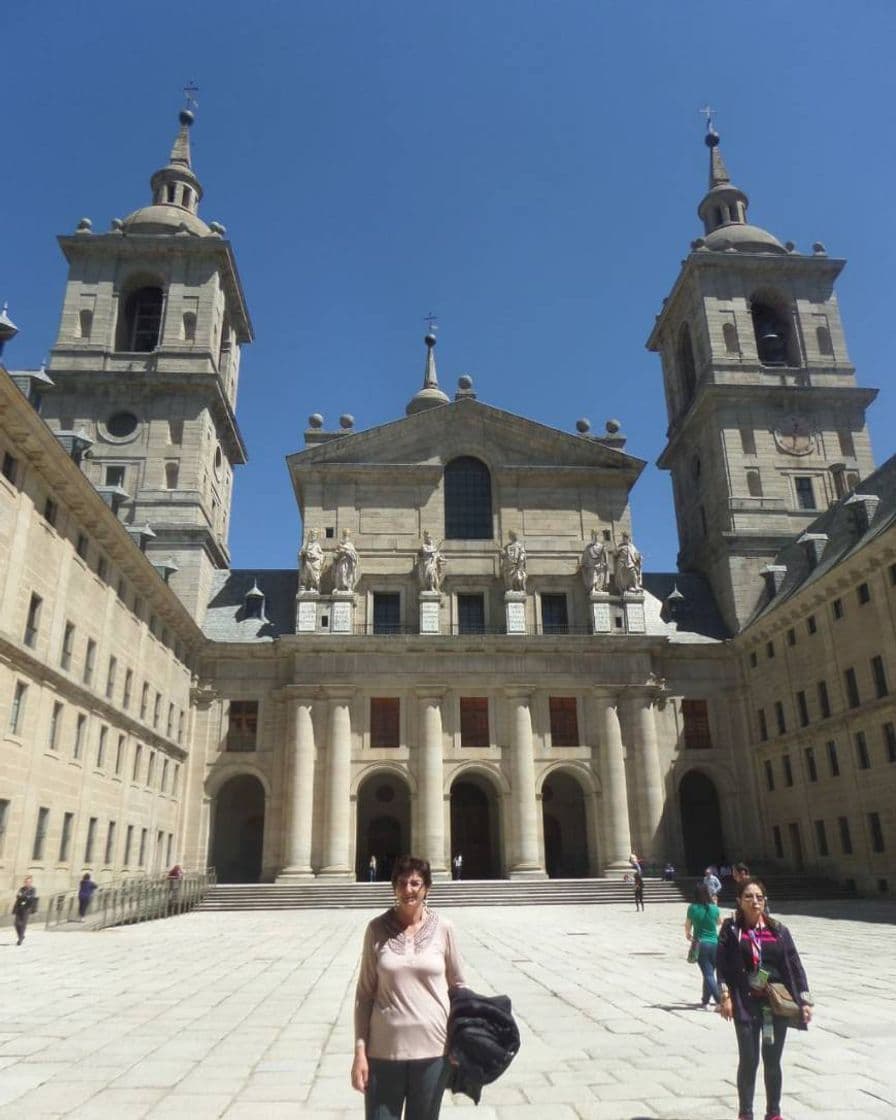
x=523 y=805
x=431 y=845
x=300 y=791
x=617 y=834
x=337 y=839
x=649 y=781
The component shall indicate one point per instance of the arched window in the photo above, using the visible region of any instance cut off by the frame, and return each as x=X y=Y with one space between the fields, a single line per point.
x=773 y=328
x=140 y=322
x=468 y=500
x=687 y=369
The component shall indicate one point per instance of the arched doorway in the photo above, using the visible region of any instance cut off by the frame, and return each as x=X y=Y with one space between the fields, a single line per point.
x=475 y=827
x=238 y=830
x=701 y=821
x=565 y=832
x=383 y=823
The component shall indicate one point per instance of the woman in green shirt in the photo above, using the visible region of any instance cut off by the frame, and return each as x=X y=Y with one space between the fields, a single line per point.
x=702 y=926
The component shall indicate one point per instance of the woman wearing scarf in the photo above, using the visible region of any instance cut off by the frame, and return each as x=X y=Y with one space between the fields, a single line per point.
x=764 y=990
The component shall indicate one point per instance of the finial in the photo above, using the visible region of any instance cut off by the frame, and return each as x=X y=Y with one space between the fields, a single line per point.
x=711 y=140
x=187 y=114
x=431 y=328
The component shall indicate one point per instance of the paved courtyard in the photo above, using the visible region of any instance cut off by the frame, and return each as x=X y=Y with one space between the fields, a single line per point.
x=248 y=1017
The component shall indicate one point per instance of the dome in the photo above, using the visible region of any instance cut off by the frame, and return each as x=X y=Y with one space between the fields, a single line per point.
x=426 y=398
x=744 y=238
x=164 y=219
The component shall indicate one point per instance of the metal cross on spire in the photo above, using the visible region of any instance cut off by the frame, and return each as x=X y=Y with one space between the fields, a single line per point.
x=190 y=90
x=707 y=112
x=432 y=322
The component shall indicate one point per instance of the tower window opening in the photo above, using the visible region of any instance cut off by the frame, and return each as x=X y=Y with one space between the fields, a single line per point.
x=171 y=475
x=189 y=326
x=687 y=368
x=729 y=335
x=754 y=484
x=825 y=344
x=720 y=215
x=140 y=325
x=85 y=322
x=774 y=335
x=171 y=192
x=805 y=492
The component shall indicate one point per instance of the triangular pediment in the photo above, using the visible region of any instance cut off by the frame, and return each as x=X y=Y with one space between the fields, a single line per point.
x=467 y=427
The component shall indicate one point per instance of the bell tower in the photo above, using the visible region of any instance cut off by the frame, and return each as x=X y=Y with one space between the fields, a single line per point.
x=146 y=363
x=766 y=422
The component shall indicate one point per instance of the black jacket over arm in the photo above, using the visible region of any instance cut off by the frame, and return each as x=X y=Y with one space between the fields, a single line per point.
x=483 y=1039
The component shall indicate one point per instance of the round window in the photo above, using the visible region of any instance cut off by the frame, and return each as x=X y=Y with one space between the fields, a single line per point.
x=122 y=424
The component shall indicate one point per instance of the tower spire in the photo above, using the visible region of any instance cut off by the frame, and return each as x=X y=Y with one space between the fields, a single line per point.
x=430 y=395
x=176 y=184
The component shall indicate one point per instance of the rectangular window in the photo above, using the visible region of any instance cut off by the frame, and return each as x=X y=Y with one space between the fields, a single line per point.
x=852 y=688
x=141 y=858
x=879 y=676
x=889 y=742
x=837 y=608
x=821 y=838
x=101 y=747
x=788 y=770
x=824 y=702
x=128 y=845
x=769 y=649
x=779 y=845
x=90 y=840
x=102 y=568
x=554 y=615
x=10 y=467
x=385 y=721
x=51 y=512
x=89 y=660
x=769 y=775
x=811 y=765
x=157 y=709
x=845 y=836
x=863 y=760
x=802 y=708
x=474 y=721
x=110 y=678
x=128 y=688
x=242 y=727
x=748 y=441
x=4 y=822
x=55 y=724
x=175 y=780
x=791 y=637
x=811 y=624
x=144 y=700
x=81 y=546
x=150 y=768
x=876 y=833
x=108 y=854
x=40 y=833
x=695 y=721
x=115 y=476
x=68 y=645
x=80 y=732
x=753 y=659
x=169 y=722
x=17 y=711
x=805 y=493
x=564 y=721
x=163 y=784
x=386 y=612
x=863 y=594
x=779 y=718
x=65 y=840
x=471 y=614
x=180 y=726
x=833 y=761
x=763 y=724
x=168 y=848
x=119 y=754
x=138 y=758
x=33 y=621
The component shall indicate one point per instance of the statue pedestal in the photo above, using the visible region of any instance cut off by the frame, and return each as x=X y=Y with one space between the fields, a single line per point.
x=515 y=611
x=601 y=615
x=306 y=612
x=633 y=605
x=430 y=611
x=342 y=616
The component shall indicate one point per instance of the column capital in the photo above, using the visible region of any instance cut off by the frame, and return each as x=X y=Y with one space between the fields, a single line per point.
x=608 y=694
x=302 y=694
x=338 y=694
x=519 y=691
x=435 y=693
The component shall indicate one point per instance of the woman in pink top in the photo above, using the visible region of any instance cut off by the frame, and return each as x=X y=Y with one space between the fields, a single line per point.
x=408 y=962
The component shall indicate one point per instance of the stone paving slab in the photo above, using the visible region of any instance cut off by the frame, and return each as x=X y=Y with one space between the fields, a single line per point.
x=247 y=1016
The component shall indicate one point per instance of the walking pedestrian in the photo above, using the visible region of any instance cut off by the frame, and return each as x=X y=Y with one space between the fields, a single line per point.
x=408 y=963
x=702 y=925
x=457 y=866
x=371 y=869
x=712 y=884
x=85 y=893
x=639 y=892
x=764 y=990
x=24 y=906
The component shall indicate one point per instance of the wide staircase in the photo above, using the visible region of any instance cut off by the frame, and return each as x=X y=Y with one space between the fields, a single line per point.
x=317 y=895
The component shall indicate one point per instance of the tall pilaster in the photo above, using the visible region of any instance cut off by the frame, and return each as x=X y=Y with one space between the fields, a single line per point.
x=300 y=790
x=523 y=804
x=648 y=776
x=617 y=833
x=431 y=845
x=337 y=835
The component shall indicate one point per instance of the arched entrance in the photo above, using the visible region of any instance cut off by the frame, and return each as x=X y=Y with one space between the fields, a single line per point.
x=475 y=829
x=383 y=823
x=565 y=832
x=238 y=830
x=701 y=821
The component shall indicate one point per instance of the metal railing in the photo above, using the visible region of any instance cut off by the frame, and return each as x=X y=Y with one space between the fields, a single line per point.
x=131 y=900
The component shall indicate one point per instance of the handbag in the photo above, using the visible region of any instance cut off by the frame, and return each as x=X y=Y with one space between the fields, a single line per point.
x=781 y=1002
x=694 y=951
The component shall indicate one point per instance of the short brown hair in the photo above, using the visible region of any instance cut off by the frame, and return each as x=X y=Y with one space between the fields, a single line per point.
x=407 y=865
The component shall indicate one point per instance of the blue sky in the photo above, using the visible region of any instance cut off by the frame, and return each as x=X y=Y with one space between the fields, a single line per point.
x=527 y=171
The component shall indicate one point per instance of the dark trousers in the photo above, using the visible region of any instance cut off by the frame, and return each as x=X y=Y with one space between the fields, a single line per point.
x=639 y=898
x=20 y=921
x=418 y=1086
x=706 y=959
x=748 y=1045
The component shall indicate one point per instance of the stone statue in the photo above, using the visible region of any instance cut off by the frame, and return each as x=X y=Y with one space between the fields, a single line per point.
x=594 y=566
x=627 y=568
x=430 y=564
x=312 y=562
x=346 y=565
x=513 y=564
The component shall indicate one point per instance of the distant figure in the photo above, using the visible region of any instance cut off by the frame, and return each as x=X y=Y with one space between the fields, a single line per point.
x=668 y=872
x=513 y=564
x=594 y=565
x=740 y=873
x=457 y=866
x=371 y=870
x=712 y=884
x=24 y=906
x=635 y=860
x=85 y=893
x=627 y=567
x=639 y=892
x=312 y=561
x=346 y=564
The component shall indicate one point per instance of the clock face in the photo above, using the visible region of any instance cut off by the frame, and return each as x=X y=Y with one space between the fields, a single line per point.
x=794 y=436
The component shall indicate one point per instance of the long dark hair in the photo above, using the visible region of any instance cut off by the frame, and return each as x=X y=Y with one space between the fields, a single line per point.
x=702 y=895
